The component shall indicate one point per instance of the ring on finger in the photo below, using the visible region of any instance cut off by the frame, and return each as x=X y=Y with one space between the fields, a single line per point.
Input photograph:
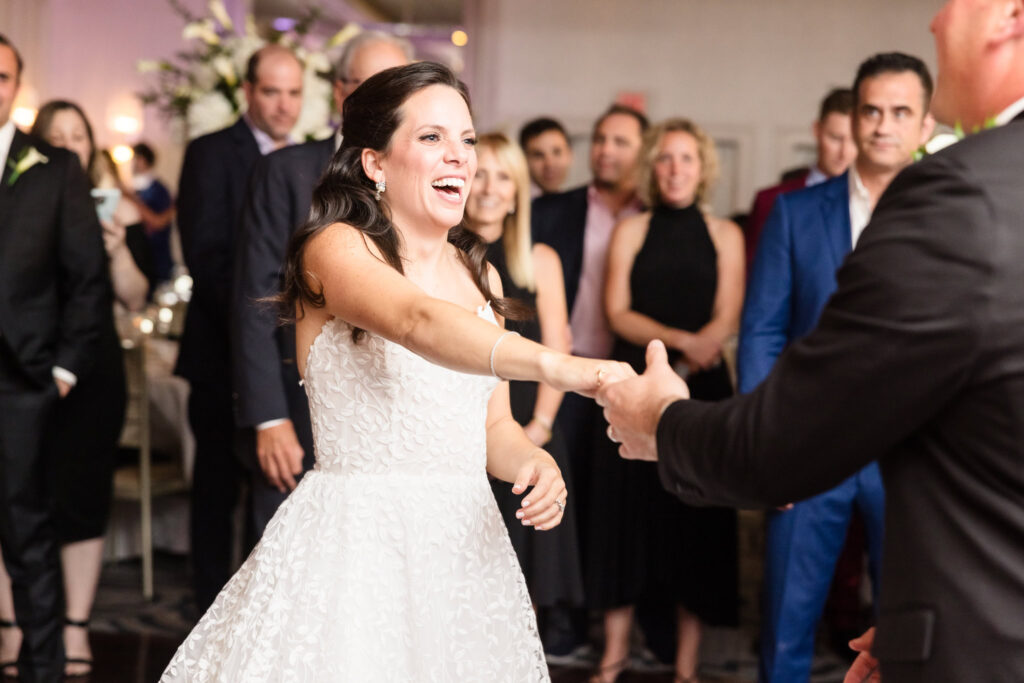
x=611 y=435
x=560 y=504
x=600 y=376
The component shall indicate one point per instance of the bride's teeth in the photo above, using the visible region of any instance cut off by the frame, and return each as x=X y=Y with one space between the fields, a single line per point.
x=449 y=182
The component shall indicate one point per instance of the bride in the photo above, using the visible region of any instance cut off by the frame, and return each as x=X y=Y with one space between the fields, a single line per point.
x=390 y=561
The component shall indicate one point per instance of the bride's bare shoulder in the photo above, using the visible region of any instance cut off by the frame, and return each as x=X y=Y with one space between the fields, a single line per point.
x=339 y=242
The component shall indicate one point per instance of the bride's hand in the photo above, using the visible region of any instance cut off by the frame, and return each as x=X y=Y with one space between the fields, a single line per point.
x=544 y=506
x=584 y=375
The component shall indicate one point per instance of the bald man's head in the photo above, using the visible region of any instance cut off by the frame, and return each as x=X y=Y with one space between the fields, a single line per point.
x=273 y=89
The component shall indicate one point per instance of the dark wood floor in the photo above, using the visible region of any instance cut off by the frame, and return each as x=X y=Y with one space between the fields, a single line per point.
x=141 y=658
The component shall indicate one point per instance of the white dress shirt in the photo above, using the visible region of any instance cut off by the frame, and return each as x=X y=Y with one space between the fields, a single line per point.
x=860 y=206
x=6 y=138
x=1010 y=112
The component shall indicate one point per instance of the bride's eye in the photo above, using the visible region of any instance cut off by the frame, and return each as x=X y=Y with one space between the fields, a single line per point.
x=470 y=142
x=430 y=137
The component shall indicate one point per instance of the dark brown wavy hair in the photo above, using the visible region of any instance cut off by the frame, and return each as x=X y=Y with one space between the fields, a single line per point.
x=370 y=116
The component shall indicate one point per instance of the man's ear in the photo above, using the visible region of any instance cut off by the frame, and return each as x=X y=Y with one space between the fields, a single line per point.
x=371 y=159
x=816 y=129
x=1009 y=22
x=927 y=128
x=247 y=89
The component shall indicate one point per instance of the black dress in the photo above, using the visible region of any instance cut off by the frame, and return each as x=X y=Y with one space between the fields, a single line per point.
x=644 y=543
x=549 y=559
x=87 y=426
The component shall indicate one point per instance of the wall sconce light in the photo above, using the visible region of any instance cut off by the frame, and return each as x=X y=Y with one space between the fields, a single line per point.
x=126 y=125
x=122 y=154
x=24 y=117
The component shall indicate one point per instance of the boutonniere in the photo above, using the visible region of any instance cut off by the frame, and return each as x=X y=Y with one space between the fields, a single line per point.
x=944 y=140
x=29 y=157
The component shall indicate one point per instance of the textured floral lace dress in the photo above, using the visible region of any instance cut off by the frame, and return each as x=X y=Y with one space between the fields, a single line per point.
x=389 y=561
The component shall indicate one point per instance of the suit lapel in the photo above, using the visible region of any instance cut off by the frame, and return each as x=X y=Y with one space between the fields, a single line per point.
x=836 y=219
x=18 y=145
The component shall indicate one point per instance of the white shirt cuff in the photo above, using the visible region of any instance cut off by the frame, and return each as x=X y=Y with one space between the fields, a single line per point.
x=270 y=423
x=65 y=376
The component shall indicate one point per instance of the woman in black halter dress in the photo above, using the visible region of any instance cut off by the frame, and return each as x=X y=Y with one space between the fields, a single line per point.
x=498 y=210
x=674 y=274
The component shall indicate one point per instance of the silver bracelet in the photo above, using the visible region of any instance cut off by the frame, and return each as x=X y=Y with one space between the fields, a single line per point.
x=495 y=348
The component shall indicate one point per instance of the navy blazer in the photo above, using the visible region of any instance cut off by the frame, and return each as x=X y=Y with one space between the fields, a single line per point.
x=559 y=221
x=803 y=243
x=214 y=176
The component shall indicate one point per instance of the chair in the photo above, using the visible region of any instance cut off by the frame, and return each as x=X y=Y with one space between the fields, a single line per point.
x=142 y=482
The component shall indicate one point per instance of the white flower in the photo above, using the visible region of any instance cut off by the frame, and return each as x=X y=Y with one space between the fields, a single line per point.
x=343 y=36
x=220 y=13
x=204 y=76
x=940 y=141
x=207 y=113
x=318 y=61
x=29 y=158
x=225 y=69
x=202 y=29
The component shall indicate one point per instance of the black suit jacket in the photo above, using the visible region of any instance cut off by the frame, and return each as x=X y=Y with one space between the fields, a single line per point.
x=266 y=378
x=55 y=294
x=559 y=221
x=918 y=360
x=210 y=195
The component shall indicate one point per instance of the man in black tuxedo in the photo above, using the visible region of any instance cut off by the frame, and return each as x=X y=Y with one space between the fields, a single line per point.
x=268 y=398
x=55 y=298
x=918 y=361
x=210 y=195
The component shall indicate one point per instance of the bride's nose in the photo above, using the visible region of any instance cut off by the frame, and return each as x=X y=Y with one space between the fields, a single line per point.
x=456 y=153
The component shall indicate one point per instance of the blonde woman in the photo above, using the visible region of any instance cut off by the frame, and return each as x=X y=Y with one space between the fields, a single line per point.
x=498 y=211
x=675 y=273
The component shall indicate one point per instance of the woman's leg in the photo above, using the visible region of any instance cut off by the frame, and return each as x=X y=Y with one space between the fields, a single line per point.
x=687 y=646
x=617 y=624
x=10 y=636
x=82 y=561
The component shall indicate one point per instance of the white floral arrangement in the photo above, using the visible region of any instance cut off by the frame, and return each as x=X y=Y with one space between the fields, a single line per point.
x=201 y=88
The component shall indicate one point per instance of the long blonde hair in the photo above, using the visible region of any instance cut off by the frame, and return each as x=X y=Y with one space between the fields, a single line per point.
x=516 y=227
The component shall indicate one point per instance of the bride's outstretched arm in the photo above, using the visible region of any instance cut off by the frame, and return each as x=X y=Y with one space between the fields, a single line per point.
x=513 y=458
x=363 y=290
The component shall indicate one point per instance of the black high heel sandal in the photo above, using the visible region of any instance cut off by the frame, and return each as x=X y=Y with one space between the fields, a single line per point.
x=9 y=670
x=78 y=660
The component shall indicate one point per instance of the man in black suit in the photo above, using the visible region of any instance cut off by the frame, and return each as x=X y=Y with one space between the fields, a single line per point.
x=578 y=225
x=918 y=361
x=55 y=298
x=212 y=188
x=268 y=398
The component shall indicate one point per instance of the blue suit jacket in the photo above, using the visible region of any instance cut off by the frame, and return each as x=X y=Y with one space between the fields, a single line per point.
x=803 y=243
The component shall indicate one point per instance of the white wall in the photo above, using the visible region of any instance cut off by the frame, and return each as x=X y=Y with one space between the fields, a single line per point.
x=750 y=71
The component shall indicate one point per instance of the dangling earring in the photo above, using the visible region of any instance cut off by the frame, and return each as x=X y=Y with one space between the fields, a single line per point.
x=512 y=211
x=381 y=187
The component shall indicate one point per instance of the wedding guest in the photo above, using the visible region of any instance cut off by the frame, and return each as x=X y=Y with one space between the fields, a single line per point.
x=548 y=154
x=914 y=362
x=675 y=273
x=127 y=217
x=88 y=422
x=805 y=240
x=55 y=325
x=498 y=211
x=270 y=405
x=833 y=139
x=152 y=194
x=210 y=197
x=578 y=225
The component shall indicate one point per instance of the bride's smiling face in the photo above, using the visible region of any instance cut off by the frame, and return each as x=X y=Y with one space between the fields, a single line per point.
x=431 y=160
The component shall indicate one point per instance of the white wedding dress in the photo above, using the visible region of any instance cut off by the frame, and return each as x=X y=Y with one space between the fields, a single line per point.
x=389 y=561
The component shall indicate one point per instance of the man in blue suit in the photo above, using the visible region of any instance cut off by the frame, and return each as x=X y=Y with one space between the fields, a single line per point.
x=806 y=238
